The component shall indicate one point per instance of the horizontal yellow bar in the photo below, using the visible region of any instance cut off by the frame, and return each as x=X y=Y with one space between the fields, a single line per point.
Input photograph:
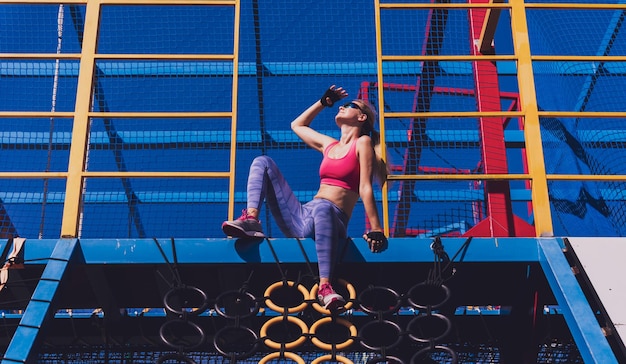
x=470 y=114
x=15 y=175
x=575 y=6
x=585 y=177
x=138 y=174
x=228 y=114
x=584 y=114
x=470 y=177
x=156 y=57
x=169 y=2
x=461 y=177
x=559 y=58
x=505 y=177
x=30 y=2
x=450 y=58
x=118 y=114
x=124 y=2
x=35 y=114
x=39 y=56
x=57 y=114
x=444 y=6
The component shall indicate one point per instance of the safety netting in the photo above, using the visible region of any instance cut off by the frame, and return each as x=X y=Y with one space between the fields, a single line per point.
x=182 y=97
x=586 y=145
x=162 y=91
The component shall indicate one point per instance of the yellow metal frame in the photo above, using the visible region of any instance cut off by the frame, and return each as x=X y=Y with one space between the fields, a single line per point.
x=539 y=193
x=76 y=173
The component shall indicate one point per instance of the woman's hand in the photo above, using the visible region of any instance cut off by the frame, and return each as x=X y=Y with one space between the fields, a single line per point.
x=332 y=95
x=376 y=240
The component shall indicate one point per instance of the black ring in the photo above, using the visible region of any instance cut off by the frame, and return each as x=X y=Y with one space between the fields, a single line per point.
x=429 y=339
x=179 y=357
x=238 y=296
x=433 y=349
x=445 y=289
x=190 y=323
x=239 y=356
x=192 y=312
x=384 y=322
x=380 y=288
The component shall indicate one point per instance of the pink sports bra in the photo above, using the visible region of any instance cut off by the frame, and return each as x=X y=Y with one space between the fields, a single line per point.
x=342 y=172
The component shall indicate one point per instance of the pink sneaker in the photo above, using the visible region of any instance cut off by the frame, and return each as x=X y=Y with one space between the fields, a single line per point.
x=246 y=226
x=329 y=299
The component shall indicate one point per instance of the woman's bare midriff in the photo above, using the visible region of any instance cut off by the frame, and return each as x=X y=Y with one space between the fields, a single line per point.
x=343 y=198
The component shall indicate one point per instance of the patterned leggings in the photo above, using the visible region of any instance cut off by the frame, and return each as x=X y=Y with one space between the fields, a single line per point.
x=320 y=219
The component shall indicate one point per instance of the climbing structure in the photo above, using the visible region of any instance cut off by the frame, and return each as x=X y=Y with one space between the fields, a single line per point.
x=126 y=133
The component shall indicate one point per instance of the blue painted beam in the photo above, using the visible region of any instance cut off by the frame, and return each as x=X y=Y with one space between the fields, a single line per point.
x=287 y=250
x=22 y=348
x=583 y=325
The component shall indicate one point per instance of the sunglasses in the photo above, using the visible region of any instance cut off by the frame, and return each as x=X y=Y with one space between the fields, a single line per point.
x=352 y=105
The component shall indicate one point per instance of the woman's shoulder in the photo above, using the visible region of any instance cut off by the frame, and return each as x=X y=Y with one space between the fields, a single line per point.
x=364 y=141
x=363 y=145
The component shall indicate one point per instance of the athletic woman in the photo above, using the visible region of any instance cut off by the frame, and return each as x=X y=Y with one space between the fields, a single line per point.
x=348 y=168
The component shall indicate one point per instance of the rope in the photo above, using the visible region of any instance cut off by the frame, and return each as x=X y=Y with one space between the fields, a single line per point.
x=55 y=87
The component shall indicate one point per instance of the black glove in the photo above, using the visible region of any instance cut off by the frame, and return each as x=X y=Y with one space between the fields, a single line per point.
x=376 y=240
x=330 y=97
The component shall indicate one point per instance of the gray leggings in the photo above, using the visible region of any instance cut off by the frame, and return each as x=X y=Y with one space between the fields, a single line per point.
x=319 y=219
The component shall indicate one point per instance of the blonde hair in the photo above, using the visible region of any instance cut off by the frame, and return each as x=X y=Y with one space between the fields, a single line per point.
x=380 y=166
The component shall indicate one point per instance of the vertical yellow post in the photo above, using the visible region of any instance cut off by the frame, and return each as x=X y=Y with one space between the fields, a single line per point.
x=381 y=112
x=80 y=129
x=532 y=130
x=233 y=144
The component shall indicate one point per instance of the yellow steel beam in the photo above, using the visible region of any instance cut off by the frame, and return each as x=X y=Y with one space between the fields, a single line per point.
x=35 y=114
x=563 y=58
x=588 y=5
x=532 y=130
x=170 y=2
x=30 y=2
x=33 y=175
x=472 y=58
x=138 y=174
x=462 y=177
x=78 y=149
x=40 y=55
x=234 y=98
x=586 y=177
x=460 y=114
x=381 y=112
x=584 y=114
x=157 y=57
x=432 y=5
x=177 y=115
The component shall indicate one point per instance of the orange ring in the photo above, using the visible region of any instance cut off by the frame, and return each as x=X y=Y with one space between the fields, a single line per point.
x=290 y=345
x=320 y=309
x=329 y=357
x=272 y=306
x=324 y=346
x=286 y=354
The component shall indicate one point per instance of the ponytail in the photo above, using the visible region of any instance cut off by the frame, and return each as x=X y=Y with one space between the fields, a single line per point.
x=380 y=166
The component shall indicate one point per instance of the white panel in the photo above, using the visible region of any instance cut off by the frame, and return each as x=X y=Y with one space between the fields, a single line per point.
x=604 y=262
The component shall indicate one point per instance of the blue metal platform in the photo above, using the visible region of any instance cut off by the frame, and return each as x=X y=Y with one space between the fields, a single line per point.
x=108 y=278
